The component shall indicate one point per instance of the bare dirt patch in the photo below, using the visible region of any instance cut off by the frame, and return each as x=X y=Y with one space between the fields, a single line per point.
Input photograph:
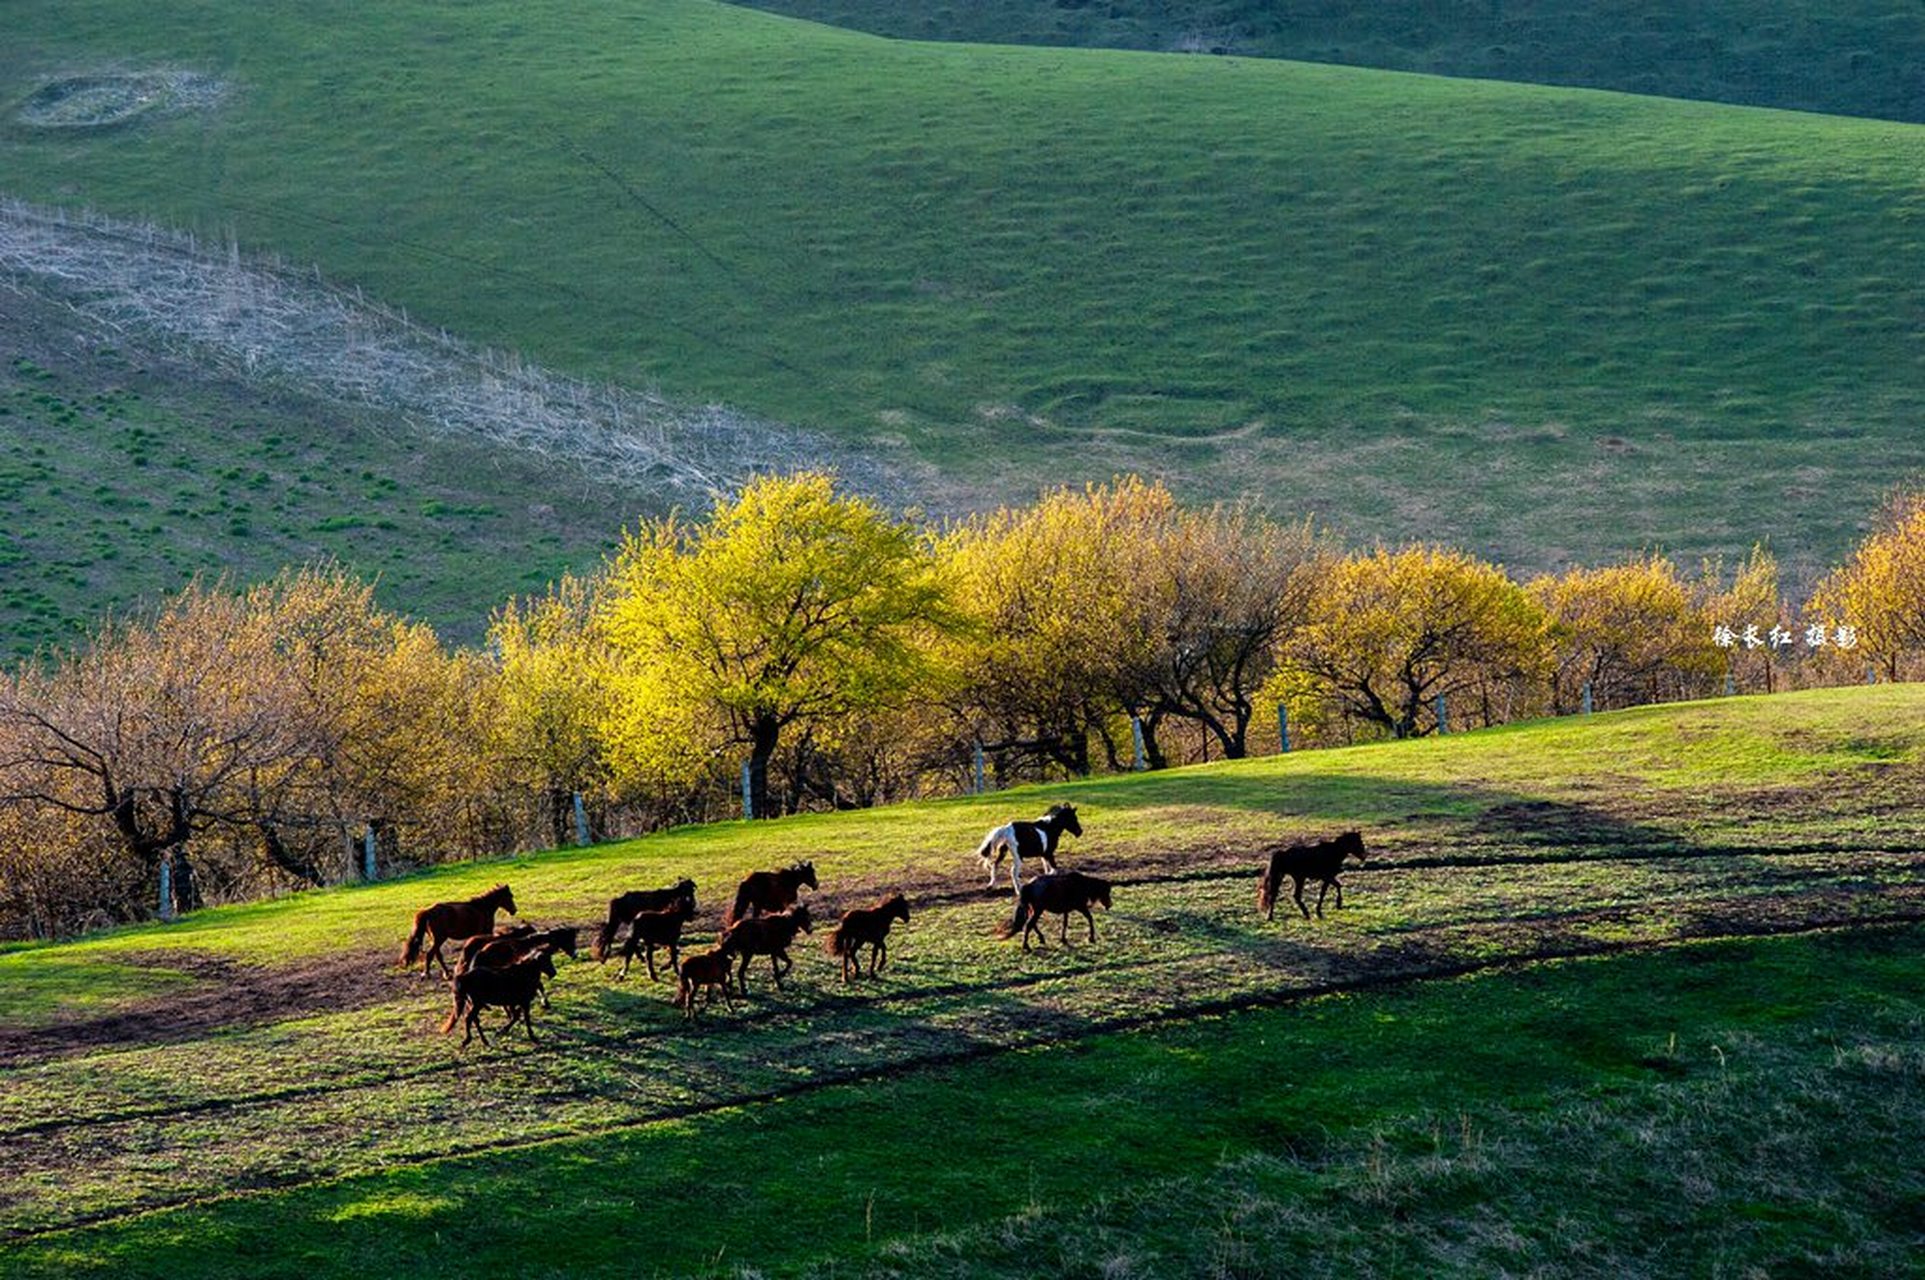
x=103 y=100
x=225 y=995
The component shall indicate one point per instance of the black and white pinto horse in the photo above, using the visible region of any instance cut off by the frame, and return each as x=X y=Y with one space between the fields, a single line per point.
x=1021 y=840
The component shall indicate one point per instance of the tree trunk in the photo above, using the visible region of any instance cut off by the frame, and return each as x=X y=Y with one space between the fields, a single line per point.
x=186 y=893
x=561 y=817
x=764 y=732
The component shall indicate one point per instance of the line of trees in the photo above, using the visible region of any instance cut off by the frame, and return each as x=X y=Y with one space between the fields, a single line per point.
x=806 y=642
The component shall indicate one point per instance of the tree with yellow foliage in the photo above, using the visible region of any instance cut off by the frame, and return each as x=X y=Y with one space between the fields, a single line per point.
x=1880 y=592
x=1390 y=631
x=790 y=604
x=558 y=682
x=1632 y=632
x=1062 y=626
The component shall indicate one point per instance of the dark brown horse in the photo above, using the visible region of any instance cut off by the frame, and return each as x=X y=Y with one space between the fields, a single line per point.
x=621 y=910
x=513 y=988
x=707 y=970
x=763 y=891
x=1063 y=893
x=652 y=929
x=1301 y=862
x=506 y=934
x=517 y=942
x=446 y=920
x=769 y=936
x=866 y=927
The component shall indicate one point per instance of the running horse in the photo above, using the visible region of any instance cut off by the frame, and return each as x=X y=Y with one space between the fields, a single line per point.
x=446 y=921
x=1058 y=894
x=625 y=908
x=1036 y=839
x=768 y=891
x=866 y=927
x=1301 y=862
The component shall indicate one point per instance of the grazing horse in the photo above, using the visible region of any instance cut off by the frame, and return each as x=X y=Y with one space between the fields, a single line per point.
x=1062 y=894
x=707 y=970
x=513 y=988
x=621 y=910
x=652 y=929
x=1036 y=839
x=866 y=927
x=762 y=891
x=768 y=936
x=447 y=920
x=518 y=942
x=1301 y=862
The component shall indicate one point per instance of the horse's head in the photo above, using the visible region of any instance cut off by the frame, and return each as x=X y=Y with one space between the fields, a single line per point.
x=686 y=888
x=1099 y=891
x=801 y=917
x=898 y=909
x=1351 y=842
x=1065 y=817
x=566 y=939
x=685 y=903
x=504 y=897
x=805 y=874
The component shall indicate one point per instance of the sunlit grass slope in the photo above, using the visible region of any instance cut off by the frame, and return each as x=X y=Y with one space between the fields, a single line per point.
x=1609 y=1073
x=1546 y=322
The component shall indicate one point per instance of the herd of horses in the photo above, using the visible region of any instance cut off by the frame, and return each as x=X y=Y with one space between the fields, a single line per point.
x=506 y=967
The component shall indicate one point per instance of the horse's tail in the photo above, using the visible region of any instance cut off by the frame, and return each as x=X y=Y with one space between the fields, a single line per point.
x=1267 y=887
x=605 y=935
x=744 y=899
x=413 y=951
x=1015 y=925
x=988 y=845
x=454 y=1014
x=837 y=941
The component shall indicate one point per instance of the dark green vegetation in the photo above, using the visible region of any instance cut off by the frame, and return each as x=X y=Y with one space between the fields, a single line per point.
x=1680 y=1094
x=123 y=473
x=1544 y=324
x=1858 y=57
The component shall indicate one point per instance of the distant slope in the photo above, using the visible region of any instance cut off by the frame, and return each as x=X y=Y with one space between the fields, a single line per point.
x=1850 y=57
x=1545 y=323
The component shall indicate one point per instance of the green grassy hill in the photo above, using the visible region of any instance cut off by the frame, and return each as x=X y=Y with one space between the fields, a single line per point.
x=1639 y=985
x=1546 y=324
x=1859 y=57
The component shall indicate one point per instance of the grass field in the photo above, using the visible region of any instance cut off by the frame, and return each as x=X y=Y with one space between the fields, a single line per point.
x=124 y=472
x=1632 y=994
x=1543 y=323
x=1855 y=57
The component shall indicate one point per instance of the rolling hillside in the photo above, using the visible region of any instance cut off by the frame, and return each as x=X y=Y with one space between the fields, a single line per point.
x=1855 y=57
x=1590 y=965
x=1545 y=324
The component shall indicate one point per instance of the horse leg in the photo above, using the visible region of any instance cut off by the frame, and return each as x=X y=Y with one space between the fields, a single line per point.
x=1088 y=919
x=528 y=1022
x=1338 y=886
x=878 y=955
x=775 y=967
x=1062 y=935
x=1299 y=897
x=1324 y=889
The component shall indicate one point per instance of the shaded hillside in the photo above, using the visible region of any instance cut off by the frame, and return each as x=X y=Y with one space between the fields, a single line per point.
x=1546 y=324
x=1858 y=57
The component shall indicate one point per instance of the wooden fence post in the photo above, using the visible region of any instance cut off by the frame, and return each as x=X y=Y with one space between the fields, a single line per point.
x=748 y=795
x=581 y=821
x=979 y=768
x=1443 y=724
x=1587 y=697
x=166 y=888
x=1283 y=727
x=1136 y=736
